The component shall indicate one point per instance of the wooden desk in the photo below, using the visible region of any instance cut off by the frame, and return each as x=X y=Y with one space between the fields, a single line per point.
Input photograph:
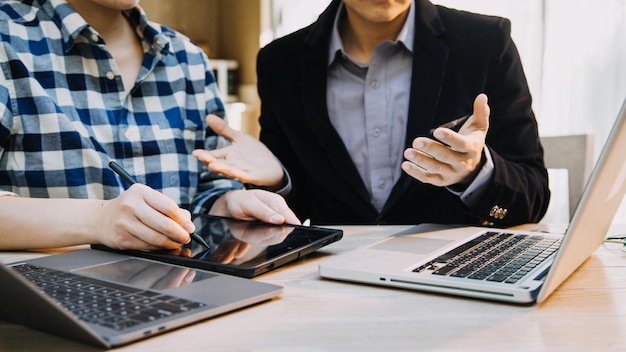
x=588 y=312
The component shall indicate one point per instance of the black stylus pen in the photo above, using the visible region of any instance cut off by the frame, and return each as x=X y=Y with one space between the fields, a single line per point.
x=131 y=181
x=454 y=125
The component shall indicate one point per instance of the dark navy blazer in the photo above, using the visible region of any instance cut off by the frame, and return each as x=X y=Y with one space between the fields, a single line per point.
x=457 y=56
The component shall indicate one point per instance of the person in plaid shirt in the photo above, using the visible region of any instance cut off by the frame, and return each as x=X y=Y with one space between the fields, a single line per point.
x=86 y=82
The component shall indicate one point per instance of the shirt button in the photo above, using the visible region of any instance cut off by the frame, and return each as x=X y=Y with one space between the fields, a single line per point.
x=376 y=132
x=375 y=84
x=111 y=75
x=382 y=184
x=94 y=37
x=160 y=40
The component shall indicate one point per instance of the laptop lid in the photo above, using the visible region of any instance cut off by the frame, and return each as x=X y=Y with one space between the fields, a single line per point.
x=390 y=262
x=596 y=209
x=204 y=295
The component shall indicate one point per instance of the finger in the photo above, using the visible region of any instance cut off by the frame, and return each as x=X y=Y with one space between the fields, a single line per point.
x=221 y=153
x=212 y=160
x=423 y=161
x=424 y=167
x=204 y=155
x=166 y=206
x=478 y=121
x=228 y=171
x=421 y=174
x=469 y=142
x=166 y=218
x=141 y=236
x=131 y=241
x=429 y=154
x=274 y=209
x=185 y=252
x=220 y=127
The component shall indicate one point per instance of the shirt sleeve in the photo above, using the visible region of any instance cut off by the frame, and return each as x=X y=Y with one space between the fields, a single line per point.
x=6 y=122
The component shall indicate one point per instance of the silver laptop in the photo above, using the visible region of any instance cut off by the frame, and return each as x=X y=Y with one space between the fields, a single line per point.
x=495 y=264
x=108 y=299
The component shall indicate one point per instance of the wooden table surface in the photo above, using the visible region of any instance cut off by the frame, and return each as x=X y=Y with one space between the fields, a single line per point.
x=587 y=313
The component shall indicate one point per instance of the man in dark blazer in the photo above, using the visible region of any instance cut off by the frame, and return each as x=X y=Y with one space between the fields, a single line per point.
x=312 y=117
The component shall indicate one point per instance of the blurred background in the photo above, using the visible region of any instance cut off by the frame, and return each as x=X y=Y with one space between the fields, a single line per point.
x=573 y=52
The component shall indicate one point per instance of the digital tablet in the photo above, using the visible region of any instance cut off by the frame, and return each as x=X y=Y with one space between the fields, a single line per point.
x=241 y=248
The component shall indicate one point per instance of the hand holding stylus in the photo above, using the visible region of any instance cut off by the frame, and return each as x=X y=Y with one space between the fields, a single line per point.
x=185 y=222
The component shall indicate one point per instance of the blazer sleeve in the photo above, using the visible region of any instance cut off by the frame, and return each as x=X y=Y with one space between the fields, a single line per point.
x=273 y=134
x=520 y=179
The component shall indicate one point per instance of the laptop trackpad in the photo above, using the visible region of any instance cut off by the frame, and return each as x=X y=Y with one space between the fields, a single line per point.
x=417 y=245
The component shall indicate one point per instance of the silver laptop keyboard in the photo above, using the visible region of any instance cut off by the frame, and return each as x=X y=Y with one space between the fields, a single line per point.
x=101 y=302
x=494 y=256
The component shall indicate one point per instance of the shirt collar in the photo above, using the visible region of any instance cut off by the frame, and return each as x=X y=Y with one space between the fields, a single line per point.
x=405 y=36
x=72 y=25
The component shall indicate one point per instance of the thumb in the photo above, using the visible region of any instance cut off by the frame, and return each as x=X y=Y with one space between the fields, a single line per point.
x=481 y=112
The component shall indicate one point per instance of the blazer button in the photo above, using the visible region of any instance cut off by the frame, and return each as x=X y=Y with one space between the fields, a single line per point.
x=497 y=212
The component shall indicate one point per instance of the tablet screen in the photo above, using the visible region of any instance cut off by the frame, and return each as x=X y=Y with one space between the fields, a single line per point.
x=246 y=243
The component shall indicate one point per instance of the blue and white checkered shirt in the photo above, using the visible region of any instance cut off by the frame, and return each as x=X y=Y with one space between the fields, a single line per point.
x=64 y=113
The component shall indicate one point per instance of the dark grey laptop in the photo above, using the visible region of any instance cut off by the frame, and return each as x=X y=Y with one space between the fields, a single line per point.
x=495 y=264
x=109 y=299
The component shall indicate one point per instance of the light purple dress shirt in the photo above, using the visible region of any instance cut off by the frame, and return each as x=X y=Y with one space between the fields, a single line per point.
x=368 y=106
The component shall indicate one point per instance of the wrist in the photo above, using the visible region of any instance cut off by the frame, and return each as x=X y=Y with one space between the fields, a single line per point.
x=90 y=222
x=467 y=181
x=220 y=206
x=277 y=186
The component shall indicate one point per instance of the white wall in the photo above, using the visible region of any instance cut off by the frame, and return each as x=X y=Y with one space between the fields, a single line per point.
x=291 y=15
x=574 y=54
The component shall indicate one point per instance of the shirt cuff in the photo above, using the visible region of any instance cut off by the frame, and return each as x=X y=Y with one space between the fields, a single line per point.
x=287 y=189
x=204 y=200
x=284 y=191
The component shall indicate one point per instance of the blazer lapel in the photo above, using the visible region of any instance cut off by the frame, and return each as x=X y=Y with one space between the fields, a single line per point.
x=313 y=68
x=429 y=63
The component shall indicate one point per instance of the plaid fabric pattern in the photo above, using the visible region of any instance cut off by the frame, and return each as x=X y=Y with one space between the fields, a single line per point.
x=64 y=113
